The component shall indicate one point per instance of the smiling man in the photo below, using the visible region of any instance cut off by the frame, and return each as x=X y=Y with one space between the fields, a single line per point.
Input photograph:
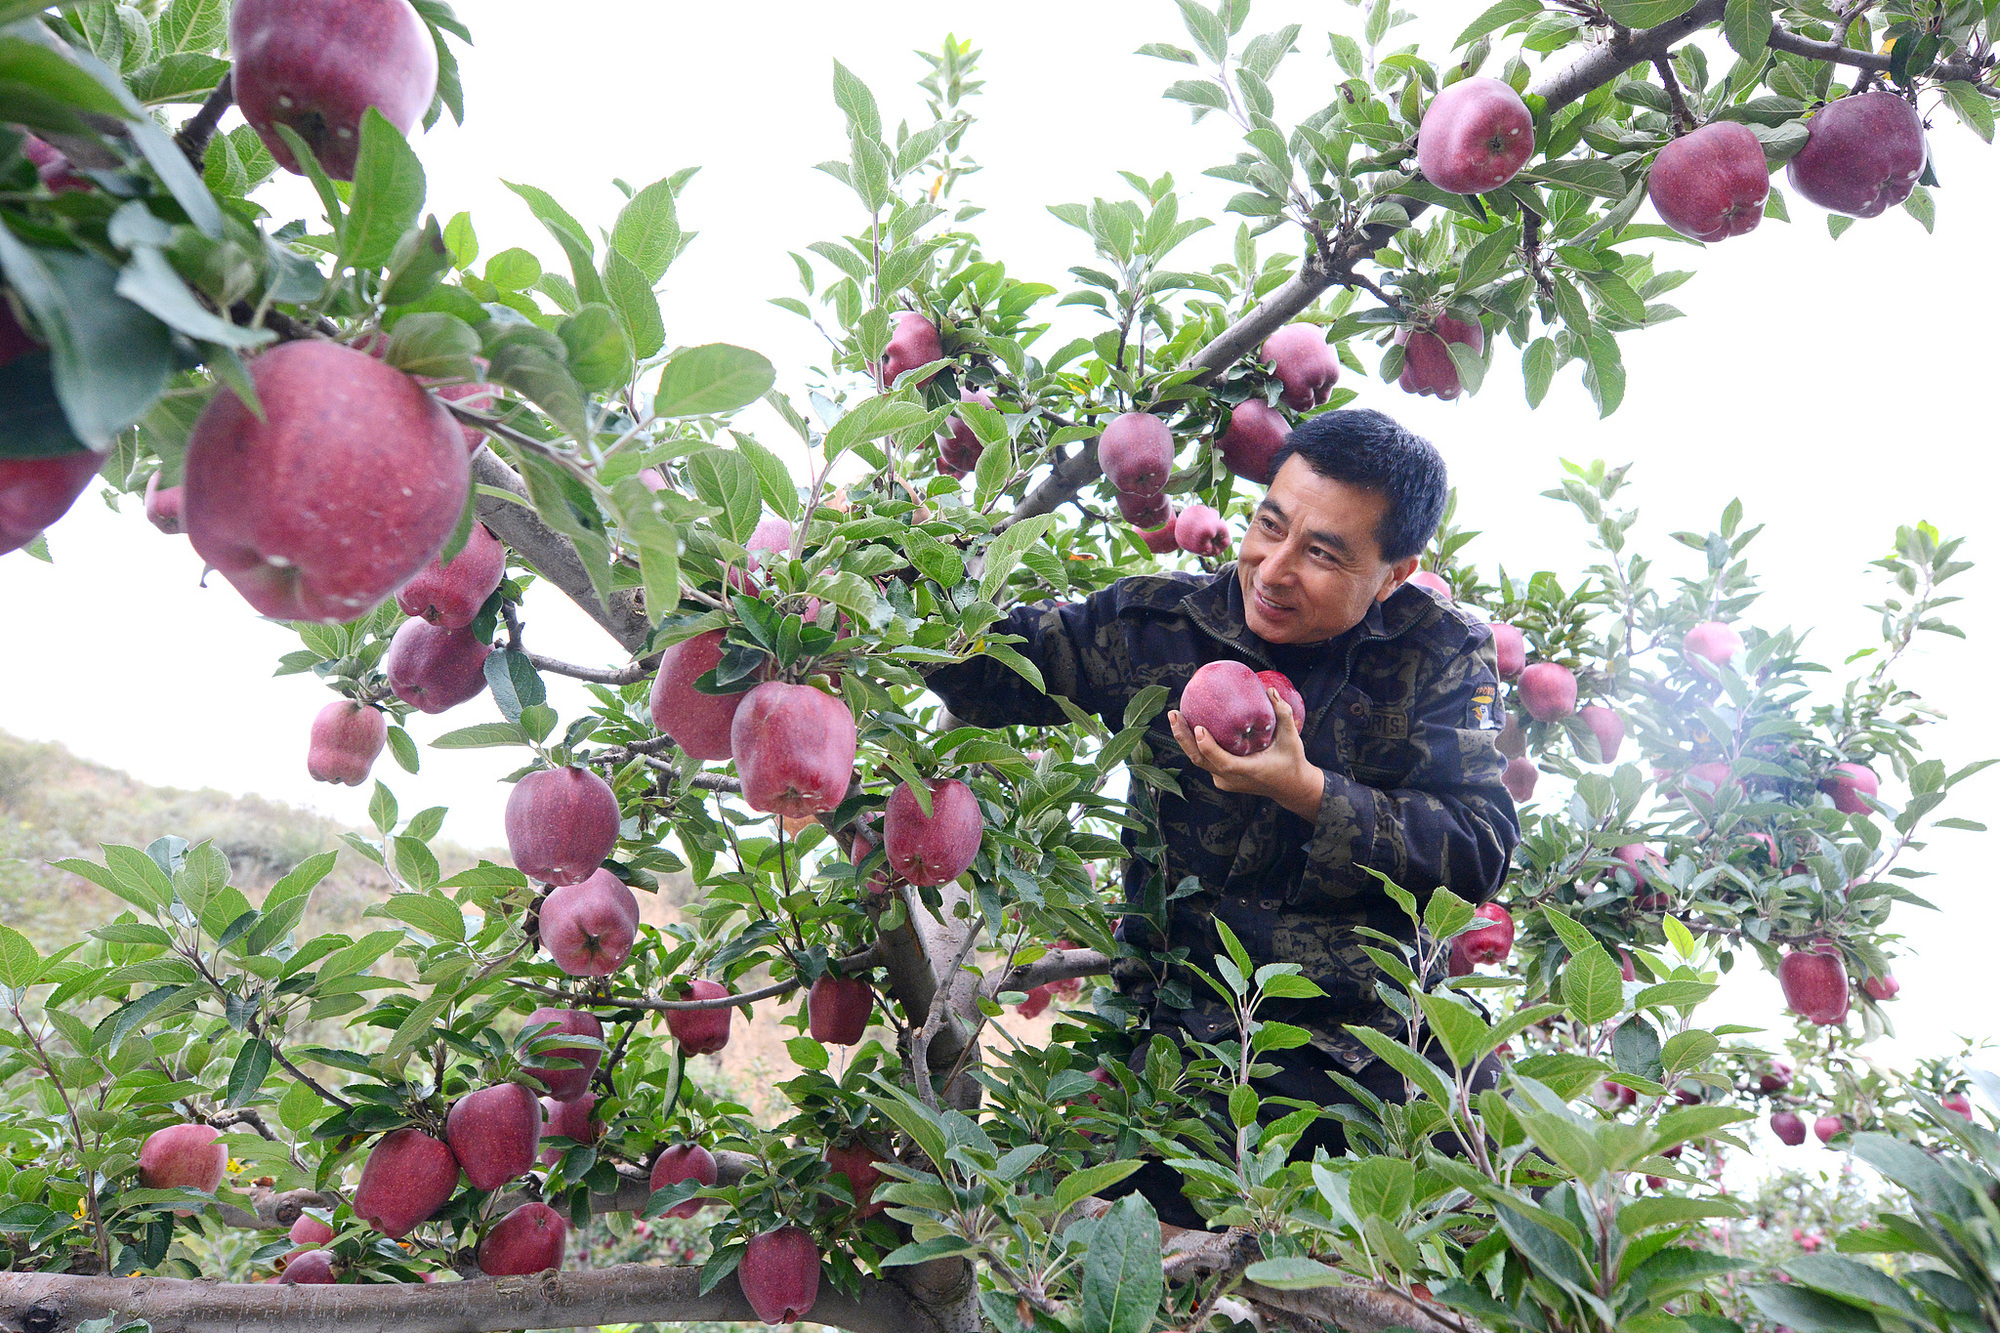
x=1393 y=768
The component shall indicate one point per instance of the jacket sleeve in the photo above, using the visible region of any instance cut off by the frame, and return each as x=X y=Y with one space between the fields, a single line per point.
x=1448 y=822
x=1062 y=639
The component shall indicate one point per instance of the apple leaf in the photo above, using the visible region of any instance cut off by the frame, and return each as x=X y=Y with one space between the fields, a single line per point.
x=387 y=198
x=1645 y=13
x=712 y=379
x=648 y=231
x=1122 y=1278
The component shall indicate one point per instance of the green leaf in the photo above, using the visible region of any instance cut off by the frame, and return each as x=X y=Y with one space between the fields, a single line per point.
x=1809 y=1312
x=1634 y=1218
x=1294 y=1273
x=1538 y=368
x=600 y=355
x=1971 y=105
x=1746 y=25
x=1645 y=13
x=638 y=308
x=416 y=1026
x=1496 y=18
x=1081 y=1184
x=481 y=735
x=535 y=363
x=1003 y=554
x=728 y=480
x=436 y=345
x=648 y=232
x=246 y=1076
x=20 y=964
x=871 y=419
x=1856 y=1284
x=1604 y=371
x=772 y=477
x=299 y=1108
x=1122 y=1278
x=570 y=235
x=1592 y=985
x=110 y=359
x=387 y=198
x=432 y=913
x=711 y=380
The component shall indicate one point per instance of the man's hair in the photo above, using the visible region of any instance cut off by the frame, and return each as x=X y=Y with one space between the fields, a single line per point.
x=1363 y=448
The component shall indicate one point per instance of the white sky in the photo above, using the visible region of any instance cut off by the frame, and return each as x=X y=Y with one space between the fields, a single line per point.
x=1839 y=388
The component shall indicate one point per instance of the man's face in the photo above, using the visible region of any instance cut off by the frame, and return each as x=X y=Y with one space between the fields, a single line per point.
x=1310 y=566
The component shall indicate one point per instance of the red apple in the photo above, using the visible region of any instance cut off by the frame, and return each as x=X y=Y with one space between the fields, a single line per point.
x=838 y=1009
x=566 y=1085
x=35 y=492
x=1200 y=531
x=1474 y=136
x=589 y=928
x=1036 y=1002
x=187 y=1156
x=346 y=739
x=1616 y=1095
x=1427 y=364
x=1848 y=784
x=1279 y=681
x=959 y=446
x=1257 y=431
x=794 y=749
x=1882 y=988
x=701 y=1031
x=1432 y=583
x=1712 y=778
x=1788 y=1127
x=1304 y=362
x=434 y=669
x=1630 y=972
x=311 y=1267
x=1862 y=154
x=1826 y=1127
x=561 y=823
x=345 y=491
x=574 y=1120
x=1712 y=641
x=1711 y=184
x=1638 y=858
x=914 y=342
x=856 y=1163
x=938 y=848
x=1519 y=778
x=450 y=595
x=1959 y=1103
x=52 y=166
x=1776 y=1078
x=864 y=847
x=494 y=1133
x=1607 y=728
x=310 y=1230
x=408 y=1176
x=528 y=1240
x=698 y=723
x=684 y=1161
x=1489 y=943
x=1136 y=452
x=1511 y=647
x=779 y=1275
x=480 y=397
x=1815 y=983
x=1161 y=540
x=1227 y=700
x=163 y=506
x=1547 y=690
x=318 y=65
x=1145 y=511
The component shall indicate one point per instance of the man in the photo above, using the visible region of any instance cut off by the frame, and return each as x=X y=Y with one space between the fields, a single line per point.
x=1393 y=768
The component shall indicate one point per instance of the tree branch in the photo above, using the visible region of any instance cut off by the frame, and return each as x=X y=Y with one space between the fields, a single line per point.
x=1055 y=965
x=549 y=553
x=625 y=675
x=192 y=138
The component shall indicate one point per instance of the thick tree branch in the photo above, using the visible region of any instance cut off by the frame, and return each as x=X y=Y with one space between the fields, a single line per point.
x=625 y=675
x=549 y=553
x=1055 y=965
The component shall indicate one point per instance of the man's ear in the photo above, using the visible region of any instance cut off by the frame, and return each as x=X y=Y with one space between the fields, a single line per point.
x=1399 y=574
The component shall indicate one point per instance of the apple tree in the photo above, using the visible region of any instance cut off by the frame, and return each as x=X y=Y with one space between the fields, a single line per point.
x=382 y=435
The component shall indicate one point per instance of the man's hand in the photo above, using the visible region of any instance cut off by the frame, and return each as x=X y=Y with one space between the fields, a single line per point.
x=1280 y=772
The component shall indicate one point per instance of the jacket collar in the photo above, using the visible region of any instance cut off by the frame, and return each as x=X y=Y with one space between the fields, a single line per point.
x=1216 y=607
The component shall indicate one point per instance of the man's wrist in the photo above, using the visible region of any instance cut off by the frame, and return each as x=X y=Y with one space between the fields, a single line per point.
x=1305 y=795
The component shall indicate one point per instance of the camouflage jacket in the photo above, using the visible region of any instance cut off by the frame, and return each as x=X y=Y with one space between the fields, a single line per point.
x=1401 y=713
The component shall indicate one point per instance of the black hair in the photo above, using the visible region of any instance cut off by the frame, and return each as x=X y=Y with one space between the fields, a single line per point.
x=1368 y=450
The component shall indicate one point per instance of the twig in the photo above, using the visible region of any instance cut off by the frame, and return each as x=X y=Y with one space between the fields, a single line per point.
x=192 y=138
x=859 y=962
x=941 y=1010
x=625 y=675
x=699 y=781
x=1683 y=117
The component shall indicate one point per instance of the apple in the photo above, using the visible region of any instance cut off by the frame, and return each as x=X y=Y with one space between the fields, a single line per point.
x=480 y=397
x=1711 y=184
x=684 y=1161
x=838 y=1009
x=1547 y=690
x=1712 y=641
x=1959 y=1103
x=1519 y=778
x=1712 y=777
x=346 y=739
x=1227 y=700
x=1433 y=583
x=1136 y=452
x=1776 y=1078
x=701 y=1031
x=1510 y=646
x=188 y=1156
x=1145 y=511
x=1788 y=1127
x=589 y=927
x=1882 y=988
x=794 y=749
x=1490 y=943
x=935 y=848
x=1474 y=136
x=1161 y=540
x=1630 y=972
x=566 y=1085
x=1256 y=432
x=1304 y=362
x=1200 y=531
x=959 y=446
x=697 y=722
x=1815 y=983
x=1769 y=845
x=494 y=1133
x=52 y=166
x=311 y=1267
x=35 y=492
x=1826 y=1127
x=434 y=669
x=574 y=1120
x=310 y=1230
x=561 y=823
x=1279 y=681
x=318 y=65
x=450 y=595
x=1862 y=154
x=163 y=506
x=528 y=1240
x=1427 y=364
x=342 y=494
x=864 y=847
x=1607 y=728
x=856 y=1163
x=1036 y=1002
x=1638 y=859
x=914 y=342
x=408 y=1176
x=779 y=1274
x=1848 y=784
x=1616 y=1095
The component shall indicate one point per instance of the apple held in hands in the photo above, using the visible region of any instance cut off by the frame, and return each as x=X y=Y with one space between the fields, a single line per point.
x=779 y=1274
x=794 y=749
x=1862 y=154
x=35 y=492
x=697 y=722
x=1304 y=362
x=1547 y=690
x=684 y=1161
x=1256 y=432
x=343 y=493
x=450 y=595
x=1227 y=700
x=1474 y=136
x=1814 y=981
x=408 y=1176
x=1427 y=364
x=1279 y=681
x=318 y=65
x=494 y=1133
x=1136 y=452
x=701 y=1031
x=561 y=823
x=434 y=669
x=1200 y=531
x=589 y=928
x=1711 y=184
x=566 y=1084
x=939 y=847
x=347 y=738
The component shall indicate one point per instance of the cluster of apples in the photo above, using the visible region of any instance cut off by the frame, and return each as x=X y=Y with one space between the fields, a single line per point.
x=1233 y=704
x=1814 y=981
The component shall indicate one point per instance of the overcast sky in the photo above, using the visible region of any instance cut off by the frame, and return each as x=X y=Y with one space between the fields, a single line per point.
x=1840 y=388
